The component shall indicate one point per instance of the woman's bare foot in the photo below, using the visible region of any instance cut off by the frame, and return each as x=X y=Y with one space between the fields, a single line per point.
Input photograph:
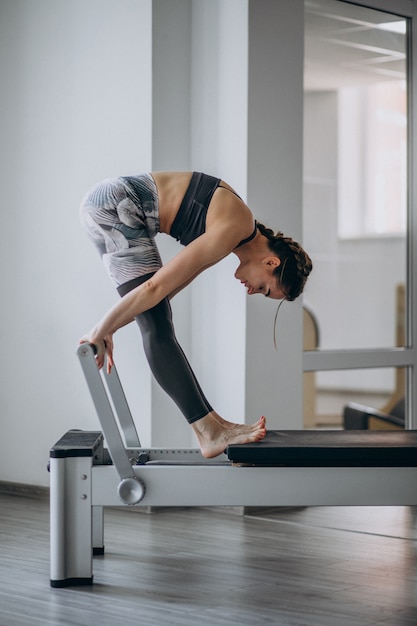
x=243 y=427
x=214 y=437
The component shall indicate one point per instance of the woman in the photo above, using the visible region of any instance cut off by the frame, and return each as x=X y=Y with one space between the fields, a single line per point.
x=123 y=215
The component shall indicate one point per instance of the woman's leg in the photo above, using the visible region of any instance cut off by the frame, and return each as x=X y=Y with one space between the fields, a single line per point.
x=173 y=372
x=166 y=358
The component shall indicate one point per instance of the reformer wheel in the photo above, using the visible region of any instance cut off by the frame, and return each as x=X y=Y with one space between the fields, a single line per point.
x=131 y=490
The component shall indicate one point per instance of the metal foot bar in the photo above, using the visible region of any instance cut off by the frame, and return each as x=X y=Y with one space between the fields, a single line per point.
x=131 y=489
x=127 y=425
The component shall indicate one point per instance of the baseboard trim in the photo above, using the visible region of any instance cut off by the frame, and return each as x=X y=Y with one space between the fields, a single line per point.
x=22 y=489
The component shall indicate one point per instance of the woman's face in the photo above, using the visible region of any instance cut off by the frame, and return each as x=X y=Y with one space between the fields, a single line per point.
x=257 y=277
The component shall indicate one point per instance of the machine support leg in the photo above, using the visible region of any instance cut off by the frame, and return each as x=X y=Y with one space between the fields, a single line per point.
x=71 y=522
x=98 y=530
x=75 y=525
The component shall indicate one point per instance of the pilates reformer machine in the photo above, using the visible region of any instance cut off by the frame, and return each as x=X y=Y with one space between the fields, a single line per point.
x=287 y=468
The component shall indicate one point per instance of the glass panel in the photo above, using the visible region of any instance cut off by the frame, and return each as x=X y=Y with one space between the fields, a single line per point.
x=327 y=394
x=355 y=173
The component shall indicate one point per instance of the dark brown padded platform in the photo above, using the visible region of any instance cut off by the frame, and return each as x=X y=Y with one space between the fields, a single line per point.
x=330 y=448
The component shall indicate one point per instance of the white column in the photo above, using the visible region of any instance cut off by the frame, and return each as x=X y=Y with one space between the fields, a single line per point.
x=171 y=59
x=218 y=140
x=275 y=115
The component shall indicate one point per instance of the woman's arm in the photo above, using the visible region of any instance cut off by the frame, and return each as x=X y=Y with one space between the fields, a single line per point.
x=200 y=254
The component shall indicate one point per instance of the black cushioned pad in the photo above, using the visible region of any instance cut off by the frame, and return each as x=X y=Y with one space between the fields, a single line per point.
x=330 y=448
x=76 y=443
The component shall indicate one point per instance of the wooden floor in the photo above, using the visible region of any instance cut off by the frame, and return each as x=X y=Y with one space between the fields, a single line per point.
x=213 y=567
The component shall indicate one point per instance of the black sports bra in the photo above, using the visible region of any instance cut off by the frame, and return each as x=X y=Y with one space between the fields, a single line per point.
x=190 y=221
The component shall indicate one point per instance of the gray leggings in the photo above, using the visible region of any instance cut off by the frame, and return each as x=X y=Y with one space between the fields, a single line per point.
x=121 y=216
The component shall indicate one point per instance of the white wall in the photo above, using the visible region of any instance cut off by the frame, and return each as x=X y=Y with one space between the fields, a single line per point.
x=86 y=80
x=76 y=108
x=100 y=88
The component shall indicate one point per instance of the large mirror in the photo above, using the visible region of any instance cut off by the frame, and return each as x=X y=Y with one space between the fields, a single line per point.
x=355 y=186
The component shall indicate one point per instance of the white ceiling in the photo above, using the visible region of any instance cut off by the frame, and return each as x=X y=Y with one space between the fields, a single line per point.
x=351 y=45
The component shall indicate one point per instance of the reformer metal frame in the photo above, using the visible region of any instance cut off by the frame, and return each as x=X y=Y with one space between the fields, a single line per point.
x=86 y=476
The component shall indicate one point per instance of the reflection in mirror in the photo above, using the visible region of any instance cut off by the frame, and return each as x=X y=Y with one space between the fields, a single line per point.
x=355 y=171
x=355 y=196
x=355 y=399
